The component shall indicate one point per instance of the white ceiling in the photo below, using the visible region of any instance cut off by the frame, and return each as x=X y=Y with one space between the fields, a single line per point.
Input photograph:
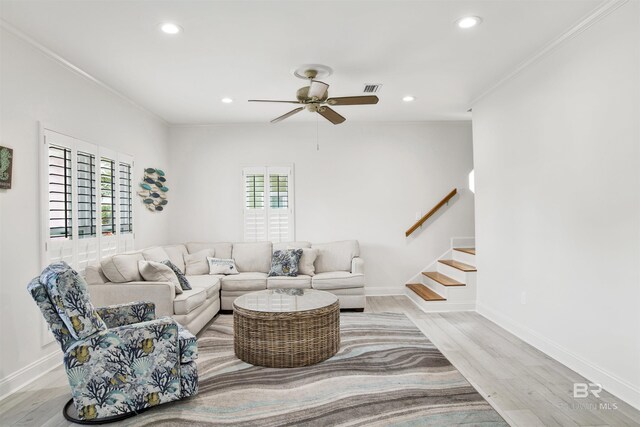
x=248 y=49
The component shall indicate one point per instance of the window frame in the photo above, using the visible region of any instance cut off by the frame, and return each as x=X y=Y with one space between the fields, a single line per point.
x=267 y=210
x=80 y=252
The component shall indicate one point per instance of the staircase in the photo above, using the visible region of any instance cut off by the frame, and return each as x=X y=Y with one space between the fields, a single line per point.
x=449 y=283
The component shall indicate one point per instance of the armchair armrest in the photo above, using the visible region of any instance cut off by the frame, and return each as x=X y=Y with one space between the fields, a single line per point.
x=125 y=369
x=357 y=265
x=161 y=294
x=127 y=314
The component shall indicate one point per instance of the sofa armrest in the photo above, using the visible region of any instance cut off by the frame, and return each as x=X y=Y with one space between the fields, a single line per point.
x=357 y=265
x=127 y=314
x=161 y=294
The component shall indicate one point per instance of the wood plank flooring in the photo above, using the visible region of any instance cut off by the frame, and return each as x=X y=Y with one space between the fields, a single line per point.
x=524 y=385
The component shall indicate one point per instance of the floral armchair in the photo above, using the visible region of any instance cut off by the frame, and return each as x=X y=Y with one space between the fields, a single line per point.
x=119 y=359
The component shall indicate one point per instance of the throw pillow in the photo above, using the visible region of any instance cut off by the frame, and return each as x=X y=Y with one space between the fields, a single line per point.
x=196 y=263
x=285 y=263
x=68 y=292
x=153 y=271
x=122 y=268
x=222 y=266
x=306 y=266
x=184 y=283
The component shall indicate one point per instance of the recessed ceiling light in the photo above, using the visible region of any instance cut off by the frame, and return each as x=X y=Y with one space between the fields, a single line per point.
x=408 y=98
x=227 y=100
x=468 y=21
x=170 y=28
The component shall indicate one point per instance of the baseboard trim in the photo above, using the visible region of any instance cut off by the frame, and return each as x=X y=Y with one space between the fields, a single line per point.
x=379 y=291
x=28 y=374
x=610 y=382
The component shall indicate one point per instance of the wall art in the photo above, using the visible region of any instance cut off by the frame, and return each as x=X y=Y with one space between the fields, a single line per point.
x=154 y=189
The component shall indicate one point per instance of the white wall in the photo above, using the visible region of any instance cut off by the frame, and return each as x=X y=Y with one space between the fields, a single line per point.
x=33 y=88
x=367 y=182
x=557 y=160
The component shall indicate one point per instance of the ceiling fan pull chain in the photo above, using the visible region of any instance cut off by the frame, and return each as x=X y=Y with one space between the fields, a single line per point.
x=317 y=134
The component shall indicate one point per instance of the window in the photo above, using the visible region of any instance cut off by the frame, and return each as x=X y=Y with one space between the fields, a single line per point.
x=90 y=211
x=268 y=204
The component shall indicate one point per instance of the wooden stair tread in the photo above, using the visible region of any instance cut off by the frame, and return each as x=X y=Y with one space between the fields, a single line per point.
x=471 y=251
x=425 y=293
x=457 y=264
x=442 y=279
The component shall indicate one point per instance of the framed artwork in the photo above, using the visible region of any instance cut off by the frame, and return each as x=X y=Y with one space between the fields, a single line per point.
x=6 y=167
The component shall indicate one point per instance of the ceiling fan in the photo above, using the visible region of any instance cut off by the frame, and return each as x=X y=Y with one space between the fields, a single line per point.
x=315 y=98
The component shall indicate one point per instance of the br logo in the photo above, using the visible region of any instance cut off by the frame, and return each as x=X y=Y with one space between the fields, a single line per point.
x=582 y=390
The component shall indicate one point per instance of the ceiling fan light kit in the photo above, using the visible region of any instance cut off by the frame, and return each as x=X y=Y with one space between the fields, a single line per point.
x=315 y=97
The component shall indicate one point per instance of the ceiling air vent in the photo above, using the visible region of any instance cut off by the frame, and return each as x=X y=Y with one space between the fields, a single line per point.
x=371 y=87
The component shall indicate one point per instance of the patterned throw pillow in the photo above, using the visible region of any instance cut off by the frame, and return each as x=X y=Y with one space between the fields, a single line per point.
x=285 y=262
x=69 y=295
x=184 y=283
x=222 y=266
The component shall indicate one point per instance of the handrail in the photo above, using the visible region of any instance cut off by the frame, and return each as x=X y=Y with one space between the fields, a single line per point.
x=440 y=204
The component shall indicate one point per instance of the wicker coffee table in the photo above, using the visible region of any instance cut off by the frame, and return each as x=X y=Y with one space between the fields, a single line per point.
x=286 y=328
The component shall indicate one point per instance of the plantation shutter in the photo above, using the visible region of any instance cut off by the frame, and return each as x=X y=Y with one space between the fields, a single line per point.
x=255 y=219
x=108 y=206
x=280 y=211
x=86 y=195
x=59 y=245
x=125 y=203
x=268 y=204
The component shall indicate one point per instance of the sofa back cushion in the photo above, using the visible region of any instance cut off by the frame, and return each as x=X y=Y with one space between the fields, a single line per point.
x=221 y=249
x=252 y=257
x=93 y=274
x=336 y=256
x=67 y=291
x=290 y=245
x=122 y=268
x=176 y=255
x=155 y=254
x=196 y=263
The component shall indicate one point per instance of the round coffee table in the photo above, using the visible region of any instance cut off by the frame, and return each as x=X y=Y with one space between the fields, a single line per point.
x=286 y=328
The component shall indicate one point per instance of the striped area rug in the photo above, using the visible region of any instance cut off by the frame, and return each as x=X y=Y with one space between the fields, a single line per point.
x=387 y=373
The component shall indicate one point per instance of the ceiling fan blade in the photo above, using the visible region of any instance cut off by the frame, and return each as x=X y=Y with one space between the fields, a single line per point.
x=269 y=100
x=331 y=115
x=317 y=89
x=289 y=114
x=353 y=100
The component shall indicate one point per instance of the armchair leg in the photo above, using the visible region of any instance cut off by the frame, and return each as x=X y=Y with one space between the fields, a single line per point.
x=69 y=413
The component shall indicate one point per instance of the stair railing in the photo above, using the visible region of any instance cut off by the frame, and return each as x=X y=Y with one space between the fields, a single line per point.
x=440 y=204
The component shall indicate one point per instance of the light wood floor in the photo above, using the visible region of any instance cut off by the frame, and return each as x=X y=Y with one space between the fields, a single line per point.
x=523 y=384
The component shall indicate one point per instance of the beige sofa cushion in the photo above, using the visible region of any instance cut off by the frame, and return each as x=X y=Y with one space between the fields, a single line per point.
x=337 y=280
x=290 y=245
x=252 y=257
x=196 y=263
x=188 y=301
x=156 y=254
x=153 y=271
x=122 y=268
x=221 y=249
x=306 y=265
x=289 y=282
x=336 y=256
x=210 y=283
x=93 y=274
x=176 y=255
x=245 y=282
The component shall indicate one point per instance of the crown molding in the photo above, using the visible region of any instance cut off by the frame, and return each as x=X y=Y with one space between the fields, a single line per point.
x=590 y=19
x=74 y=68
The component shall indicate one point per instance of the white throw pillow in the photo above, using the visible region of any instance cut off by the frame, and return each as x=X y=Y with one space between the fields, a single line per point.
x=306 y=266
x=153 y=271
x=197 y=264
x=122 y=268
x=221 y=266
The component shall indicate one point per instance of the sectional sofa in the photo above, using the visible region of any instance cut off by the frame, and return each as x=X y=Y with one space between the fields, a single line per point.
x=338 y=269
